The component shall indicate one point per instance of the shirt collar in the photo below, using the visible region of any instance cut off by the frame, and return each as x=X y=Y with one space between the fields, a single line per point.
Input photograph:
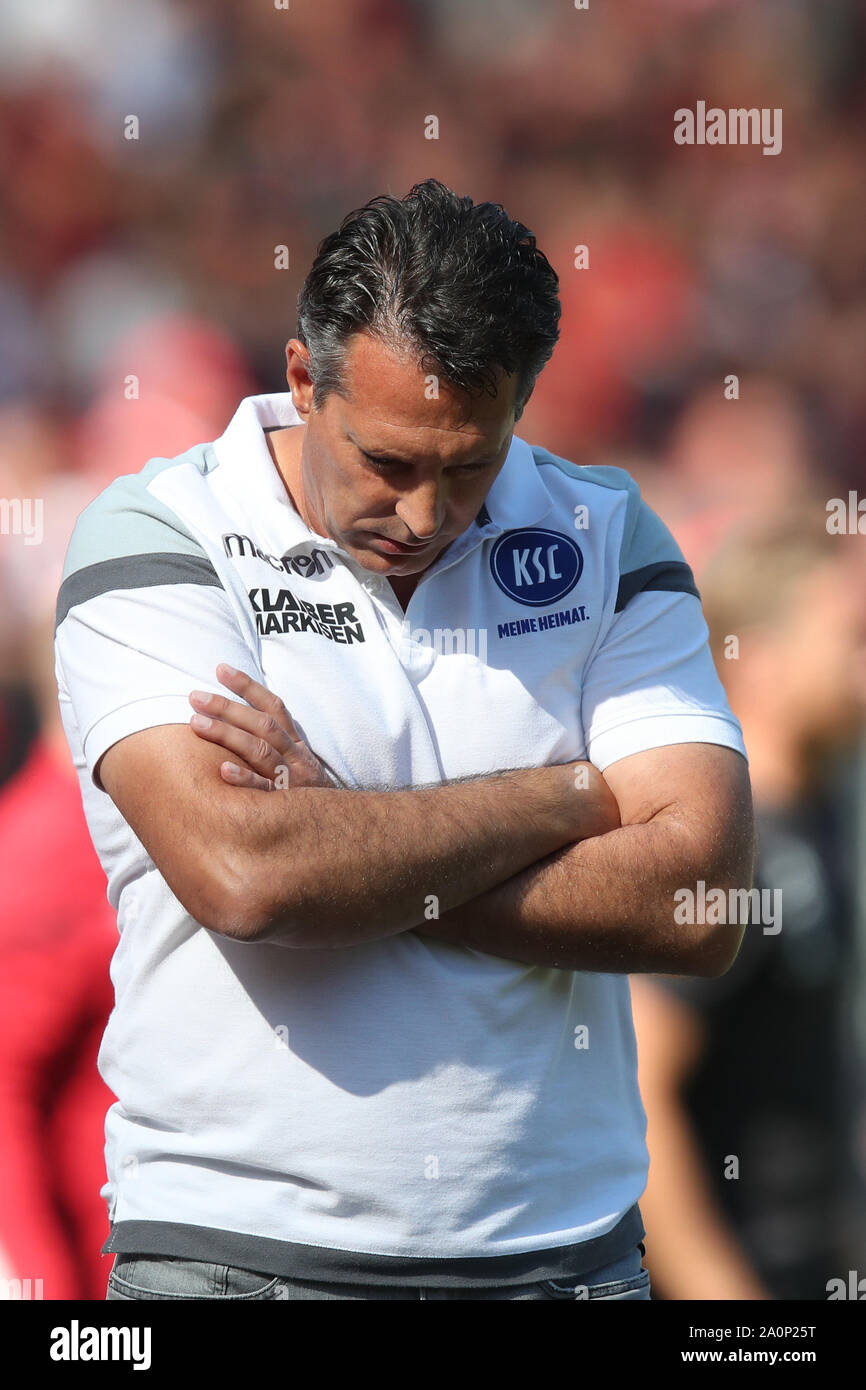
x=517 y=496
x=242 y=450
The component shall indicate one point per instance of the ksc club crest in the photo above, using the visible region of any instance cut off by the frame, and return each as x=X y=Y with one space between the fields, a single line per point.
x=536 y=567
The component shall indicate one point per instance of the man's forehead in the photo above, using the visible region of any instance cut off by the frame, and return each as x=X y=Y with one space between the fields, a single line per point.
x=398 y=404
x=372 y=426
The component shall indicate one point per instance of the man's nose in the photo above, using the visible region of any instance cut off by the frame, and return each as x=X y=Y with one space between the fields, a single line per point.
x=423 y=509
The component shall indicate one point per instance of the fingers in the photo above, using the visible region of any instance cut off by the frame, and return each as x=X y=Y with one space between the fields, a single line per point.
x=263 y=737
x=242 y=777
x=262 y=734
x=257 y=695
x=255 y=749
x=280 y=733
x=218 y=709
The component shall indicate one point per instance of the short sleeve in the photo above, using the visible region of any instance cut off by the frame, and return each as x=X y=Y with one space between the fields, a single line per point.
x=651 y=680
x=137 y=629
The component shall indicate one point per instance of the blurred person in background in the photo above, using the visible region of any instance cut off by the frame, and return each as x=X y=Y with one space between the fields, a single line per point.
x=57 y=936
x=729 y=463
x=759 y=1065
x=30 y=455
x=57 y=930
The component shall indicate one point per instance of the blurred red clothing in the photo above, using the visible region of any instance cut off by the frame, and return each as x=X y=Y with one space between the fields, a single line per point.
x=57 y=936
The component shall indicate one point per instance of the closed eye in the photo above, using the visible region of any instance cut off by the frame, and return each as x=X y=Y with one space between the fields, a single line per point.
x=383 y=465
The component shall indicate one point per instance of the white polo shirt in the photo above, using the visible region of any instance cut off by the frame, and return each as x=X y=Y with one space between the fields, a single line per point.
x=404 y=1110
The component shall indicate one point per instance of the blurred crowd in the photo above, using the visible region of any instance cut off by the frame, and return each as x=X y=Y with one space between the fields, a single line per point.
x=169 y=168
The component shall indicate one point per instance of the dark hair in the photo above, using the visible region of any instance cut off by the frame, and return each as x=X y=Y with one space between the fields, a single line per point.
x=459 y=283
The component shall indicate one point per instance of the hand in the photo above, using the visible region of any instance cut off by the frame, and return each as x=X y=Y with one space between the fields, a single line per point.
x=593 y=786
x=263 y=736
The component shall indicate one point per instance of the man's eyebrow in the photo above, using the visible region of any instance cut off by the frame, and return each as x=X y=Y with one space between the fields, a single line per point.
x=387 y=456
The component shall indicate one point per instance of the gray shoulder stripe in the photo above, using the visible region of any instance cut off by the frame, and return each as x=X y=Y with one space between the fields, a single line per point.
x=132 y=572
x=674 y=575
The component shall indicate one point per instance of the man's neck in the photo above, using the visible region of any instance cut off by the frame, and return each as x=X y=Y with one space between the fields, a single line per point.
x=404 y=587
x=275 y=441
x=284 y=446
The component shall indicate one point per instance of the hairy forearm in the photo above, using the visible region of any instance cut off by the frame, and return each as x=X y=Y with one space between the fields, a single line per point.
x=331 y=868
x=606 y=904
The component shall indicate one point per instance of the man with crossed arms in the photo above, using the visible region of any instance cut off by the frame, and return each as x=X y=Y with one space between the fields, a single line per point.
x=373 y=1033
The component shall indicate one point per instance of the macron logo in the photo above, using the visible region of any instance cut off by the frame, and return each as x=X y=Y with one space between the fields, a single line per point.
x=76 y=1343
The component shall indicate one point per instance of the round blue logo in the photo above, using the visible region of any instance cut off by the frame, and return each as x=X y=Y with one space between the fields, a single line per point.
x=536 y=566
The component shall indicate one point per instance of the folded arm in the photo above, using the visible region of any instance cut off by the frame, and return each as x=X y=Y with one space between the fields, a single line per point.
x=603 y=901
x=312 y=866
x=608 y=903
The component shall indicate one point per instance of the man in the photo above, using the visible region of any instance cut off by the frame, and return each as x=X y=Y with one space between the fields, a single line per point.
x=373 y=1036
